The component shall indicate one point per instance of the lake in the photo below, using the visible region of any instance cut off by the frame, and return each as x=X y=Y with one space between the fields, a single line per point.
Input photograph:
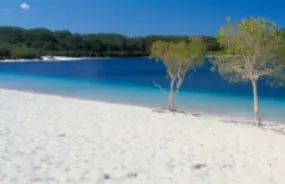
x=131 y=81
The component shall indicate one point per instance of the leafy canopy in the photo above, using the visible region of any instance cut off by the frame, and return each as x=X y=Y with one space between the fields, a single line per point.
x=15 y=41
x=252 y=48
x=179 y=57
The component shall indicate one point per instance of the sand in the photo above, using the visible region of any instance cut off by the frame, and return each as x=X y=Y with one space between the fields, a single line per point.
x=56 y=59
x=64 y=58
x=49 y=139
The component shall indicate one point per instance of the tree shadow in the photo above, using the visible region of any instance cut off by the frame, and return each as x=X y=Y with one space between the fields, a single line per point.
x=167 y=110
x=279 y=128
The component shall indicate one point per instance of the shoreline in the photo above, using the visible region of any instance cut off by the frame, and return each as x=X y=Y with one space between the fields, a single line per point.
x=57 y=59
x=277 y=126
x=199 y=113
x=60 y=59
x=48 y=137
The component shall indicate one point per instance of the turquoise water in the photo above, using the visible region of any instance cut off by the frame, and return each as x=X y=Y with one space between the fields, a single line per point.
x=130 y=81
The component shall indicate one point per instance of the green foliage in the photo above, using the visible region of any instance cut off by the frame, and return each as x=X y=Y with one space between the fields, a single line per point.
x=15 y=41
x=5 y=52
x=23 y=52
x=179 y=57
x=211 y=43
x=252 y=48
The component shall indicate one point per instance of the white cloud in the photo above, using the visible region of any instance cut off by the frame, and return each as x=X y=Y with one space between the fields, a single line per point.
x=25 y=6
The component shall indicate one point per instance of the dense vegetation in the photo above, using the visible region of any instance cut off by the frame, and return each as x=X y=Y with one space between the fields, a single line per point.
x=16 y=42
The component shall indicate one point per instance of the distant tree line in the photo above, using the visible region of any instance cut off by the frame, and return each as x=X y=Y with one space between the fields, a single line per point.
x=16 y=42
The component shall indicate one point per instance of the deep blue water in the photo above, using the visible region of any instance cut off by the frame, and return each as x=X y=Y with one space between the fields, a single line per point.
x=131 y=81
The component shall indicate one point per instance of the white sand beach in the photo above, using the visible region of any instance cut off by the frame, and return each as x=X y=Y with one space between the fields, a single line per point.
x=49 y=139
x=55 y=59
x=18 y=60
x=46 y=59
x=64 y=58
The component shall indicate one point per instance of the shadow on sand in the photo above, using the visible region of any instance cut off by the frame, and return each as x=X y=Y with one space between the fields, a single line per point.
x=266 y=126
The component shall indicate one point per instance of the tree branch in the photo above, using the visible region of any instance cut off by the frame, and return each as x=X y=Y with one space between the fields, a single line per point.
x=157 y=85
x=270 y=71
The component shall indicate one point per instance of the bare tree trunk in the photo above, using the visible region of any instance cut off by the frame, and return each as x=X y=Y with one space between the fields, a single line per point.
x=255 y=103
x=172 y=94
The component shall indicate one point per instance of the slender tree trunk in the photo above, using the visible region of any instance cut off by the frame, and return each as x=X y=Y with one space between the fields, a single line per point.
x=172 y=94
x=255 y=103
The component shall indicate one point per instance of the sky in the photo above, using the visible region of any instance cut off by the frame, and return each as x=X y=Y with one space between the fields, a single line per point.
x=137 y=17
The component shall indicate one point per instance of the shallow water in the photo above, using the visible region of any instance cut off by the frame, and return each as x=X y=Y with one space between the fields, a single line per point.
x=131 y=80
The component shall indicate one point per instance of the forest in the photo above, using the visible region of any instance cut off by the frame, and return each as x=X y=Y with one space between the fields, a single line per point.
x=20 y=43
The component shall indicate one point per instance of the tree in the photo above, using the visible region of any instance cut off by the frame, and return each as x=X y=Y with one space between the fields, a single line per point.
x=252 y=49
x=178 y=58
x=65 y=43
x=5 y=52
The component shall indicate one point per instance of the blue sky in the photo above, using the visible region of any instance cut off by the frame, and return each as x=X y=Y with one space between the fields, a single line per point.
x=137 y=17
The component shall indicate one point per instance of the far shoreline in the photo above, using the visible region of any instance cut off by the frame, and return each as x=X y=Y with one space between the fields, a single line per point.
x=64 y=58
